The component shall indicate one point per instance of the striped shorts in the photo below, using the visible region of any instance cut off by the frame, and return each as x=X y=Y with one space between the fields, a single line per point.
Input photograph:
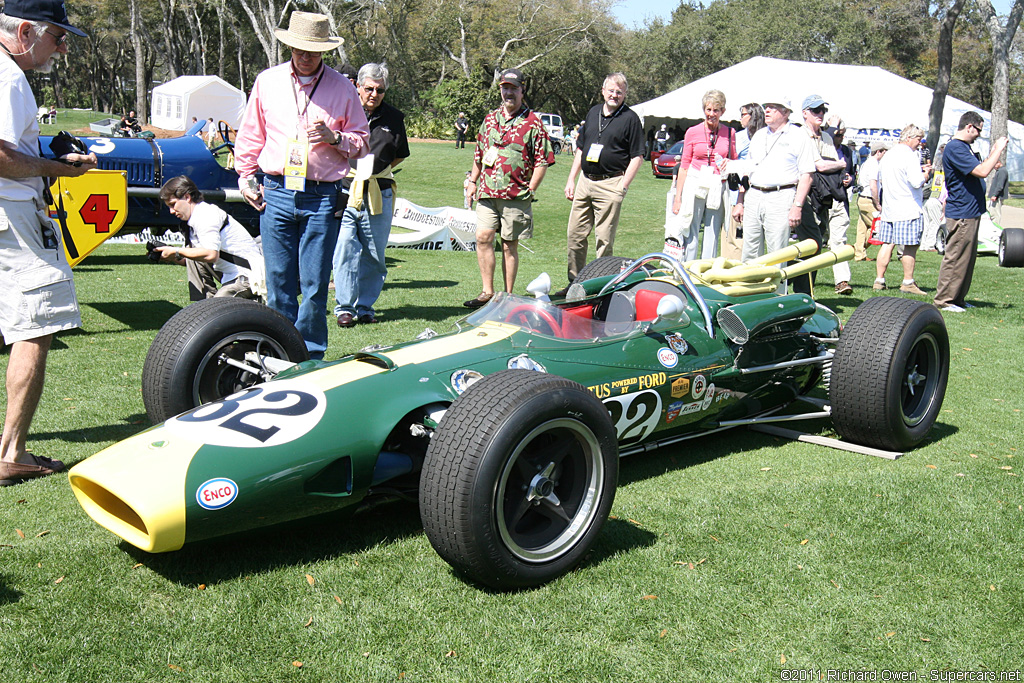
x=907 y=233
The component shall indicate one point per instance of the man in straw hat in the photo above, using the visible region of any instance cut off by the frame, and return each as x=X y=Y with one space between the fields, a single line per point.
x=38 y=291
x=302 y=125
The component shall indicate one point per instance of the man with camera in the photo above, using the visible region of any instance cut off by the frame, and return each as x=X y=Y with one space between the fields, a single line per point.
x=39 y=292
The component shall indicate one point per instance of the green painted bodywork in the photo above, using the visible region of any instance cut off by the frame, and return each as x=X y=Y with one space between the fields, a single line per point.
x=651 y=392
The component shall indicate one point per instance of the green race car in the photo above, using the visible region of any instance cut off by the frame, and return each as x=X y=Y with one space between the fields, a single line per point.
x=509 y=428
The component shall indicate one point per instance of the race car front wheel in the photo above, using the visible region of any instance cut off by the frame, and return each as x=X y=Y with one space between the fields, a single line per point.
x=889 y=373
x=602 y=266
x=1011 y=248
x=519 y=479
x=191 y=359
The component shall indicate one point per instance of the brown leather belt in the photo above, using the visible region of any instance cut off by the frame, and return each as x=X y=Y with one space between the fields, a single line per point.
x=594 y=176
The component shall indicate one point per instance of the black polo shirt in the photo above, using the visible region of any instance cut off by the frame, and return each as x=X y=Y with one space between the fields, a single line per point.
x=387 y=140
x=621 y=134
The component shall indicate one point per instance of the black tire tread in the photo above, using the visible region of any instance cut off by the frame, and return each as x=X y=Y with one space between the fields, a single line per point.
x=863 y=369
x=456 y=451
x=1011 y=251
x=601 y=267
x=159 y=371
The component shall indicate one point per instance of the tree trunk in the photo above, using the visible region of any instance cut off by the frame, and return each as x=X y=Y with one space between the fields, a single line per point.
x=141 y=103
x=1002 y=39
x=945 y=55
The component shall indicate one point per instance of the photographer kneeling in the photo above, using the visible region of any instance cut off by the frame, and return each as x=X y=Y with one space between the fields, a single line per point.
x=214 y=241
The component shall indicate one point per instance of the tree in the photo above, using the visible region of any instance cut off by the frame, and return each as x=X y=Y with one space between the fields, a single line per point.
x=1002 y=40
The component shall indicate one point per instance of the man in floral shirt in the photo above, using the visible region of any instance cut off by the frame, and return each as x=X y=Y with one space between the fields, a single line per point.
x=512 y=154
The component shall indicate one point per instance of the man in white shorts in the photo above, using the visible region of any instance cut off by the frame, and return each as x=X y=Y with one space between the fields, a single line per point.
x=38 y=290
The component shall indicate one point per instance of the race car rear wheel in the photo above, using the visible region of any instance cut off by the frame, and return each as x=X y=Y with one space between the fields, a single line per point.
x=519 y=479
x=1011 y=248
x=889 y=373
x=600 y=267
x=187 y=363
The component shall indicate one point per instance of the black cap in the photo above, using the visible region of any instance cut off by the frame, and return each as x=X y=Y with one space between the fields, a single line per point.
x=513 y=77
x=49 y=11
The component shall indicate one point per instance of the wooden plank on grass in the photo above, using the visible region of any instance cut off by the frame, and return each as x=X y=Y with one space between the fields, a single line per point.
x=824 y=441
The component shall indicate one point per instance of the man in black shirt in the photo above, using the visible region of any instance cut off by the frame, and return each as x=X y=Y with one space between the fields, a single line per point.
x=609 y=151
x=461 y=126
x=359 y=269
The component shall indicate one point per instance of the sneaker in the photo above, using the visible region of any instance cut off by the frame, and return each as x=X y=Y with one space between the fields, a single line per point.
x=844 y=288
x=912 y=288
x=969 y=305
x=479 y=301
x=879 y=286
x=953 y=308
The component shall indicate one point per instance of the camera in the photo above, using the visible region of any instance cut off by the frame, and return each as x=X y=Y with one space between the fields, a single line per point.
x=65 y=143
x=151 y=250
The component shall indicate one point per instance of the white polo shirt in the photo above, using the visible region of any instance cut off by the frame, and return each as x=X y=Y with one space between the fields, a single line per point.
x=780 y=158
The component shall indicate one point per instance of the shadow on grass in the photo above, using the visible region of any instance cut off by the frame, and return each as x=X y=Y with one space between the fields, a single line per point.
x=139 y=315
x=431 y=313
x=419 y=284
x=313 y=539
x=98 y=263
x=7 y=594
x=118 y=431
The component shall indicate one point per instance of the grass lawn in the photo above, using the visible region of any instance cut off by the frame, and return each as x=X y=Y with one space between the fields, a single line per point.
x=728 y=558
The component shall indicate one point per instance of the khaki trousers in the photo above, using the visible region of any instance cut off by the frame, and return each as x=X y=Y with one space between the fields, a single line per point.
x=595 y=207
x=867 y=215
x=957 y=267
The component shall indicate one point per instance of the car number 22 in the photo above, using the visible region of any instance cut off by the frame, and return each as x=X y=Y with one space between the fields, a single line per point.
x=260 y=416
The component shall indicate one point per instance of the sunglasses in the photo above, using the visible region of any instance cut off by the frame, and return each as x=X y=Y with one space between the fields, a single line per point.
x=378 y=89
x=977 y=128
x=820 y=110
x=58 y=39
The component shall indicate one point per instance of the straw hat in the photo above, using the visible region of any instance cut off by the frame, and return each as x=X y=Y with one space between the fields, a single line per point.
x=310 y=32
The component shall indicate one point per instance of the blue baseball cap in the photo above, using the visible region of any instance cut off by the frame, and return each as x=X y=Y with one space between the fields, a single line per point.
x=814 y=101
x=49 y=11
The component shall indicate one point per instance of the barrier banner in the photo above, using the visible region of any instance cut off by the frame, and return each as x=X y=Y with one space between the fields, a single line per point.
x=442 y=229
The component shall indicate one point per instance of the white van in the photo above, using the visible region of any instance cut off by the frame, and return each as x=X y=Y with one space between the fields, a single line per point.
x=553 y=125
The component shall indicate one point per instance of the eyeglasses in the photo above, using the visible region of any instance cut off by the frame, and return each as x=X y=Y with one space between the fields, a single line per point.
x=58 y=38
x=744 y=113
x=819 y=110
x=610 y=91
x=379 y=90
x=977 y=128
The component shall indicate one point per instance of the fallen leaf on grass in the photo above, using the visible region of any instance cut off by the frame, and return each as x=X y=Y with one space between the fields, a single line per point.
x=20 y=502
x=799 y=566
x=20 y=532
x=174 y=666
x=202 y=586
x=308 y=623
x=663 y=632
x=43 y=533
x=62 y=578
x=968 y=349
x=297 y=664
x=451 y=653
x=766 y=469
x=633 y=521
x=972 y=455
x=960 y=474
x=337 y=599
x=834 y=583
x=805 y=541
x=649 y=597
x=931 y=467
x=991 y=588
x=890 y=634
x=1012 y=474
x=137 y=565
x=1006 y=467
x=310 y=580
x=782 y=659
x=712 y=537
x=926 y=640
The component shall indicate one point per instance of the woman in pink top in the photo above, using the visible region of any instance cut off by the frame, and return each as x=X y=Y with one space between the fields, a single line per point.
x=700 y=184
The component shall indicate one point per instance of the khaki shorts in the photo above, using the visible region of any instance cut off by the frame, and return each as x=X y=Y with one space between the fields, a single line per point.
x=35 y=278
x=510 y=218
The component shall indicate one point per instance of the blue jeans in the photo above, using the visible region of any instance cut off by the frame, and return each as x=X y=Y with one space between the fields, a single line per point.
x=299 y=233
x=359 y=268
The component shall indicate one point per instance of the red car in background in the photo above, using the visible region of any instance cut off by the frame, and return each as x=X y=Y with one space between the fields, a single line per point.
x=664 y=163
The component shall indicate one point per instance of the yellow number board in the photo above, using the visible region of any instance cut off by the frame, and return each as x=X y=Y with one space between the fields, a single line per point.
x=89 y=209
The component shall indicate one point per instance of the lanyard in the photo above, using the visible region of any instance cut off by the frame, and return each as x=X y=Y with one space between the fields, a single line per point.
x=295 y=92
x=712 y=142
x=601 y=117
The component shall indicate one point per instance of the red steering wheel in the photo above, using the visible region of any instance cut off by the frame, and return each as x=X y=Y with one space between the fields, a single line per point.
x=534 y=318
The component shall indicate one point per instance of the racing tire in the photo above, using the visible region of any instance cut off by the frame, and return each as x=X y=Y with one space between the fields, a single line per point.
x=940 y=239
x=519 y=479
x=889 y=373
x=1011 y=248
x=601 y=267
x=556 y=147
x=184 y=367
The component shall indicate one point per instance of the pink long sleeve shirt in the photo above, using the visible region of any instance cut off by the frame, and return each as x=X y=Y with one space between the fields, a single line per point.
x=274 y=115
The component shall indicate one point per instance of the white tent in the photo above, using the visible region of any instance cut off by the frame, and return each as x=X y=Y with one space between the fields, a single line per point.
x=874 y=103
x=176 y=102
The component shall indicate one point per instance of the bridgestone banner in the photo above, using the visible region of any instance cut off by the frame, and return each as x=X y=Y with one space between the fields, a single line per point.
x=441 y=229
